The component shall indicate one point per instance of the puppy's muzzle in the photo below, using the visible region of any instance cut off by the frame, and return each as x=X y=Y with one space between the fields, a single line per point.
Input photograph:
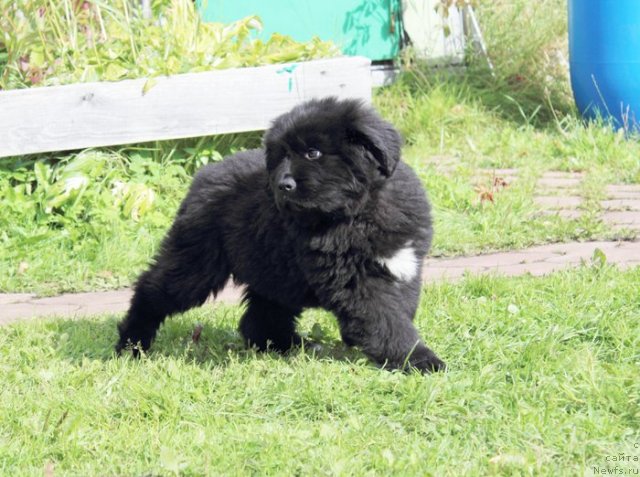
x=287 y=184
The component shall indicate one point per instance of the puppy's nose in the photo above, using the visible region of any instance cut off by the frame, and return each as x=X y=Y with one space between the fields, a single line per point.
x=287 y=184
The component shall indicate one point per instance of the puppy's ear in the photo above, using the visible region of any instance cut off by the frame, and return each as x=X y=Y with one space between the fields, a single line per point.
x=380 y=139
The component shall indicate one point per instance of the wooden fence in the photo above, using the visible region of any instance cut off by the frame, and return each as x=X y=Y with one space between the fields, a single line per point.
x=84 y=115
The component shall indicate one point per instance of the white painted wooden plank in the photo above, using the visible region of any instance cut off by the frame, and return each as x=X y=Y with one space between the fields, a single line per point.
x=437 y=38
x=188 y=105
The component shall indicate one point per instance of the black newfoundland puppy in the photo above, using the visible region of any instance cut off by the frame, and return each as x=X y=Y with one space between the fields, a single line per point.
x=326 y=215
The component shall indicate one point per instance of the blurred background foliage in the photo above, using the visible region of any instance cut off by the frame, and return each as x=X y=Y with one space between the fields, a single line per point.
x=48 y=42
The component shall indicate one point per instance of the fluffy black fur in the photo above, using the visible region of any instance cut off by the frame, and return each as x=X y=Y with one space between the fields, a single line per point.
x=308 y=221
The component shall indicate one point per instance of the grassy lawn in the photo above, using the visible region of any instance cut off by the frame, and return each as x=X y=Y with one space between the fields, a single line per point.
x=543 y=380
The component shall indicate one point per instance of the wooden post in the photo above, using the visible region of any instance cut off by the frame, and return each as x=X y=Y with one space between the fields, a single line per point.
x=146 y=8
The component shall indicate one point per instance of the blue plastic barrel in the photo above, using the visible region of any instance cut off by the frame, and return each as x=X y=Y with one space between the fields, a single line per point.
x=604 y=52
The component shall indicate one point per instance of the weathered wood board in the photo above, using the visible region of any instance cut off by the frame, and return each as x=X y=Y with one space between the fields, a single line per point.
x=195 y=104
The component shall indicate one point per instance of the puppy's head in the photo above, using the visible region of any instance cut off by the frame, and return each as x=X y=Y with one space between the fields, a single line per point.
x=329 y=156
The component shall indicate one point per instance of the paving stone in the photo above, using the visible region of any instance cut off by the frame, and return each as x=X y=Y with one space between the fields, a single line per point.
x=627 y=231
x=28 y=310
x=558 y=182
x=623 y=192
x=232 y=293
x=9 y=298
x=624 y=253
x=624 y=195
x=573 y=257
x=15 y=307
x=538 y=260
x=496 y=178
x=537 y=269
x=481 y=262
x=564 y=213
x=633 y=188
x=622 y=217
x=563 y=249
x=551 y=192
x=563 y=175
x=559 y=201
x=87 y=299
x=621 y=204
x=489 y=175
x=499 y=172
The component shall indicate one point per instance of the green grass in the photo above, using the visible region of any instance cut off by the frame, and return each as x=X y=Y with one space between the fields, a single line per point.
x=46 y=42
x=543 y=380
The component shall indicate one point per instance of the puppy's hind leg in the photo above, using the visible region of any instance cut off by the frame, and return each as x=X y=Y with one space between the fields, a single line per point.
x=268 y=325
x=190 y=266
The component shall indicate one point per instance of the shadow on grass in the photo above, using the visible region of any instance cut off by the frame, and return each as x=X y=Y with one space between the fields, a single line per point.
x=218 y=343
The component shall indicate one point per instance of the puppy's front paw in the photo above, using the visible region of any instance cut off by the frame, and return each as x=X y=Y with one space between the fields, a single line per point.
x=135 y=340
x=125 y=344
x=426 y=361
x=433 y=365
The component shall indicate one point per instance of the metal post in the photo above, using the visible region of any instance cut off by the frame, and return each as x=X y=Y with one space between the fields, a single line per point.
x=476 y=35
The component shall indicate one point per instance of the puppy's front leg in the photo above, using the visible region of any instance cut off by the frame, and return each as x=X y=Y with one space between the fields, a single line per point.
x=389 y=340
x=376 y=316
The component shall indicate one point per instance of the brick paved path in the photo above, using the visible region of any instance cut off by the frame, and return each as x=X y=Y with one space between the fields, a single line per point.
x=557 y=193
x=536 y=261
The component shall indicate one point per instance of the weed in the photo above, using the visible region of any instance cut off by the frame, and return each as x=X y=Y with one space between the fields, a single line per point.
x=48 y=43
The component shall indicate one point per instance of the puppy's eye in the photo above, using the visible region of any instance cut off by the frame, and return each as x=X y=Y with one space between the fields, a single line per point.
x=312 y=154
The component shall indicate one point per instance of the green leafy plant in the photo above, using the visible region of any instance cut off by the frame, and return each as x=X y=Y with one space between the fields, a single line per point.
x=47 y=42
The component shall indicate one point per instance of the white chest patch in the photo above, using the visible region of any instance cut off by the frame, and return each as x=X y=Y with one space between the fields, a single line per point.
x=403 y=264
